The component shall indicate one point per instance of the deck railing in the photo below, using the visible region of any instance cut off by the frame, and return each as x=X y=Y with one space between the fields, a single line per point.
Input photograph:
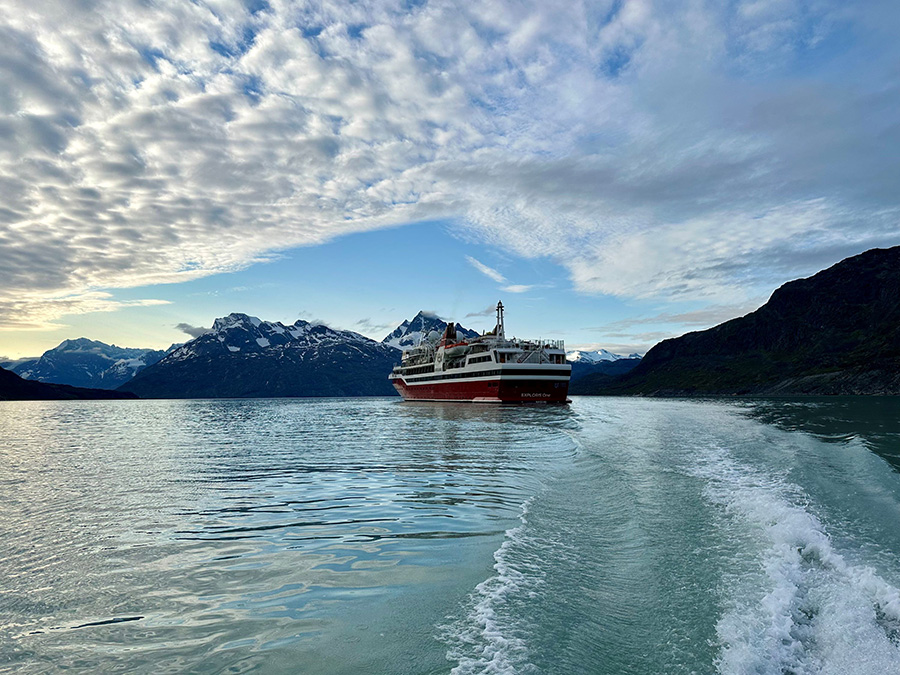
x=545 y=344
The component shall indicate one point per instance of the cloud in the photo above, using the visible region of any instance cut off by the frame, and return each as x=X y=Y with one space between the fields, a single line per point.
x=706 y=317
x=193 y=331
x=632 y=334
x=655 y=149
x=370 y=327
x=36 y=311
x=489 y=272
x=303 y=315
x=490 y=310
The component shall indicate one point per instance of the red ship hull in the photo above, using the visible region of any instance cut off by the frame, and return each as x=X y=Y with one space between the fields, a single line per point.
x=486 y=391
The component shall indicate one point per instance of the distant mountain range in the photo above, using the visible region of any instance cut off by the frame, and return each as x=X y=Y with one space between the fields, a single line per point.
x=15 y=388
x=243 y=356
x=600 y=363
x=598 y=356
x=12 y=364
x=88 y=363
x=837 y=332
x=599 y=371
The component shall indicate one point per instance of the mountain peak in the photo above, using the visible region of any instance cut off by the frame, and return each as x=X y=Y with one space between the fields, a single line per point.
x=79 y=343
x=235 y=319
x=411 y=332
x=82 y=362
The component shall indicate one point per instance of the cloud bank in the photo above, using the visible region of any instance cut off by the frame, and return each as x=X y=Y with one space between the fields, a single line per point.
x=696 y=151
x=193 y=331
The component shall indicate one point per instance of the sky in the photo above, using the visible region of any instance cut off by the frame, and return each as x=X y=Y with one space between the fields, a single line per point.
x=616 y=172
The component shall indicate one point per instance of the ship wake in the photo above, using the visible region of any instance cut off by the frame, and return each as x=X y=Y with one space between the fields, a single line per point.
x=806 y=608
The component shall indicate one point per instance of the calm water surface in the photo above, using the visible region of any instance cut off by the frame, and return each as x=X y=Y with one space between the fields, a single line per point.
x=373 y=536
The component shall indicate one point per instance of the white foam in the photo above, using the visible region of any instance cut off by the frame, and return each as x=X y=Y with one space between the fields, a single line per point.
x=483 y=641
x=807 y=610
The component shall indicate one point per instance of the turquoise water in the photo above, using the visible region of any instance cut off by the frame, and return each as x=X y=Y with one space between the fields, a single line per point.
x=373 y=536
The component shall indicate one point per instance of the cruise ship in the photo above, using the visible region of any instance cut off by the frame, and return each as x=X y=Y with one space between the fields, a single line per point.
x=490 y=368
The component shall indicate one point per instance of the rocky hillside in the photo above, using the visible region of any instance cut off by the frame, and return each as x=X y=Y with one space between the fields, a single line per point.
x=243 y=356
x=837 y=332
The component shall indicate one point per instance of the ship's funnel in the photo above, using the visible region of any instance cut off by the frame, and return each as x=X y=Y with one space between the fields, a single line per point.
x=450 y=332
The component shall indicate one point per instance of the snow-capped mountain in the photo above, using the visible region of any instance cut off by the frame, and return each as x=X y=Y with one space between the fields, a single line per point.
x=580 y=356
x=88 y=363
x=410 y=333
x=240 y=333
x=243 y=356
x=600 y=361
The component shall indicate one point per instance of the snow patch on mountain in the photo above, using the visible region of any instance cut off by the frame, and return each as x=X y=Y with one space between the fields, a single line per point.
x=409 y=333
x=244 y=356
x=248 y=334
x=597 y=356
x=88 y=363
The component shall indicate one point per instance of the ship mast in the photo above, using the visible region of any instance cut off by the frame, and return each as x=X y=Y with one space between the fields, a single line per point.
x=501 y=332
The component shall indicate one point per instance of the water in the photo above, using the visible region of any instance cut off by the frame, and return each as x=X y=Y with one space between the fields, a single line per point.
x=373 y=536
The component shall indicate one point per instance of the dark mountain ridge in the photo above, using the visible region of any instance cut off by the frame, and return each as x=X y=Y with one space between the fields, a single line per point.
x=15 y=388
x=836 y=332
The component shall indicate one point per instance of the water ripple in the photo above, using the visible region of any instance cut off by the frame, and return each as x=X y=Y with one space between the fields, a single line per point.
x=197 y=535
